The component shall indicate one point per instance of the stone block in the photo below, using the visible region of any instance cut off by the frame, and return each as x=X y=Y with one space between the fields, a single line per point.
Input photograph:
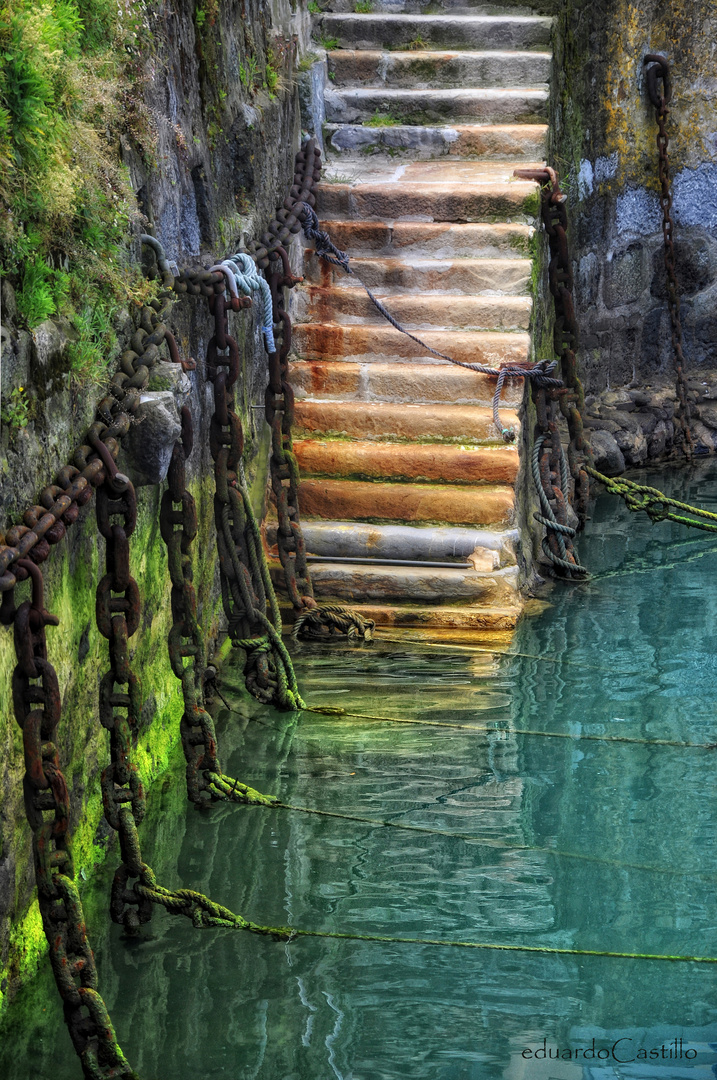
x=147 y=448
x=633 y=445
x=694 y=266
x=607 y=454
x=626 y=276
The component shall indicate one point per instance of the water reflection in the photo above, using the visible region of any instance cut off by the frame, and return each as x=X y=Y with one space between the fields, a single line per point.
x=634 y=653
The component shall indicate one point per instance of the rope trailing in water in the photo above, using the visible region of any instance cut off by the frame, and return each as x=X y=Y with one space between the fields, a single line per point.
x=655 y=503
x=540 y=373
x=331 y=710
x=547 y=517
x=206 y=914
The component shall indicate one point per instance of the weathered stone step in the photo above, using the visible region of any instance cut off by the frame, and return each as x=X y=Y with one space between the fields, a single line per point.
x=360 y=583
x=376 y=343
x=351 y=31
x=473 y=620
x=407 y=461
x=314 y=304
x=376 y=169
x=430 y=201
x=428 y=383
x=423 y=107
x=474 y=276
x=506 y=141
x=391 y=421
x=428 y=7
x=426 y=69
x=351 y=538
x=448 y=504
x=439 y=240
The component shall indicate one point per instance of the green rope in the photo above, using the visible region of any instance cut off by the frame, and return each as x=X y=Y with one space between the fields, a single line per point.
x=655 y=503
x=205 y=914
x=331 y=710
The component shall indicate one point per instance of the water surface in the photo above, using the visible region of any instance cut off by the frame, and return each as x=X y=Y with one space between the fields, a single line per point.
x=577 y=844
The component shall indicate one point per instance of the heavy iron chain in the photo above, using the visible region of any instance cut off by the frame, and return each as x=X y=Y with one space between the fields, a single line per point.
x=36 y=699
x=658 y=69
x=205 y=779
x=245 y=583
x=311 y=620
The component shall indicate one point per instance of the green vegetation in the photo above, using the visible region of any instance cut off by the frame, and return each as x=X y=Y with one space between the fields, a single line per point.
x=417 y=43
x=15 y=411
x=364 y=7
x=314 y=8
x=68 y=92
x=379 y=120
x=329 y=43
x=308 y=61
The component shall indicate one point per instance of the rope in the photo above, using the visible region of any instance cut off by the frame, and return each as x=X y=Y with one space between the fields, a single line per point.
x=539 y=373
x=324 y=621
x=331 y=710
x=655 y=503
x=548 y=519
x=206 y=914
x=249 y=280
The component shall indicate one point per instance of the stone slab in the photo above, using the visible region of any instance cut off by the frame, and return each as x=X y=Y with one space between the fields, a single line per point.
x=407 y=461
x=427 y=68
x=427 y=201
x=397 y=421
x=428 y=503
x=420 y=274
x=430 y=383
x=501 y=141
x=449 y=31
x=315 y=304
x=426 y=106
x=466 y=618
x=376 y=344
x=440 y=240
x=347 y=538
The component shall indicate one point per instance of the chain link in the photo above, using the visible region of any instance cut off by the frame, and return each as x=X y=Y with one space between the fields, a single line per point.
x=658 y=70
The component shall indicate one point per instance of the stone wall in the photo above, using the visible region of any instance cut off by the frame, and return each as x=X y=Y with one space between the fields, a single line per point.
x=225 y=144
x=603 y=144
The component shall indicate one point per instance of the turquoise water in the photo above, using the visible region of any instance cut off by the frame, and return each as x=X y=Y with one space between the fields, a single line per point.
x=586 y=845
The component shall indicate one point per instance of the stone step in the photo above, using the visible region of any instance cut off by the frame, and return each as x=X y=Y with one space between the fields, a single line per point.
x=393 y=422
x=407 y=461
x=473 y=620
x=439 y=240
x=351 y=538
x=428 y=7
x=357 y=583
x=425 y=69
x=363 y=169
x=523 y=106
x=352 y=31
x=378 y=343
x=524 y=141
x=437 y=504
x=417 y=383
x=314 y=304
x=439 y=201
x=473 y=276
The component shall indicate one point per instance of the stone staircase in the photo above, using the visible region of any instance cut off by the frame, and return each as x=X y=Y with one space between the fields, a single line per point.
x=408 y=490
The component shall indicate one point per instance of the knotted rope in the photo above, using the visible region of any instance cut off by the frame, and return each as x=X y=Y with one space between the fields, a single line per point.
x=547 y=518
x=539 y=373
x=655 y=503
x=327 y=620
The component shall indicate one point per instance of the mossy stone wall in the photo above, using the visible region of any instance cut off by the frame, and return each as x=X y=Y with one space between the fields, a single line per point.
x=226 y=141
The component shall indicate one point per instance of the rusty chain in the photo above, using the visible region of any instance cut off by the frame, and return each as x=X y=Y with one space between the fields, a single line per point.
x=658 y=69
x=37 y=704
x=551 y=472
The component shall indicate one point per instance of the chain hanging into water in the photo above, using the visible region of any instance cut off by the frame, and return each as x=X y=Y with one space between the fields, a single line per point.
x=657 y=69
x=539 y=373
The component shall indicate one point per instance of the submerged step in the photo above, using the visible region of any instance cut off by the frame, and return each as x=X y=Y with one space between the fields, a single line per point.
x=457 y=201
x=412 y=310
x=370 y=31
x=392 y=422
x=407 y=461
x=357 y=582
x=428 y=503
x=440 y=240
x=523 y=106
x=416 y=383
x=375 y=343
x=497 y=141
x=488 y=620
x=352 y=538
x=509 y=276
x=424 y=68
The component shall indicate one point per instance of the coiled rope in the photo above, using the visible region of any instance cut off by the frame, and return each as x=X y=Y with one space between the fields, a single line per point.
x=539 y=373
